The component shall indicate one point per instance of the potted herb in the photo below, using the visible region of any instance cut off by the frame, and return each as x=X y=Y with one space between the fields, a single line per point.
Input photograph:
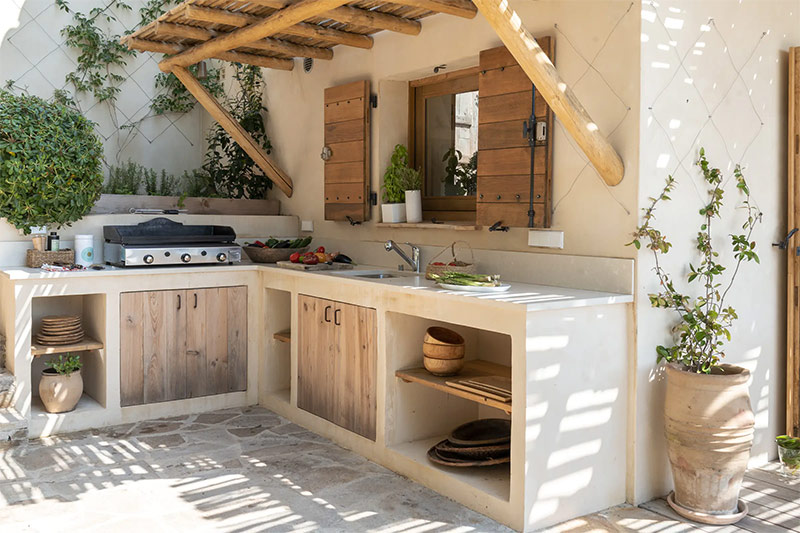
x=61 y=385
x=395 y=180
x=789 y=455
x=708 y=418
x=413 y=194
x=50 y=162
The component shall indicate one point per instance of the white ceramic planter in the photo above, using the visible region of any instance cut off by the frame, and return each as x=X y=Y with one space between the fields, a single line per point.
x=393 y=213
x=414 y=206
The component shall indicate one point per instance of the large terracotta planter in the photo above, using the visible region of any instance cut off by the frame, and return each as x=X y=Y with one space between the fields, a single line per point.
x=60 y=393
x=709 y=430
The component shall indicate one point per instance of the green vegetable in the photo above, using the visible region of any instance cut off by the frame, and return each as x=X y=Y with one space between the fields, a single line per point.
x=271 y=242
x=459 y=278
x=789 y=453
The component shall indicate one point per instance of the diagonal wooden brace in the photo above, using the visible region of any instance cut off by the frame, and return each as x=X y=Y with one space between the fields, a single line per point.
x=235 y=130
x=508 y=26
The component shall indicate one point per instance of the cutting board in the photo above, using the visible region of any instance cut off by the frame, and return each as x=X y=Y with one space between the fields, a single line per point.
x=318 y=266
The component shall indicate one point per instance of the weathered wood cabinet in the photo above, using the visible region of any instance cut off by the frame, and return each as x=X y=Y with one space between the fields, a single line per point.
x=336 y=363
x=179 y=344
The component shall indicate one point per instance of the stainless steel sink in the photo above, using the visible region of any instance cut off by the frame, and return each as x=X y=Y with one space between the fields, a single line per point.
x=380 y=275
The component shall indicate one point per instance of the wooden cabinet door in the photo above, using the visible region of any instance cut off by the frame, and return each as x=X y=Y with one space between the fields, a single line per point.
x=152 y=346
x=182 y=344
x=315 y=356
x=354 y=369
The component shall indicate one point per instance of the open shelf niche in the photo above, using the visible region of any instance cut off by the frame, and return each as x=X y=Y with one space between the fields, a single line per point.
x=275 y=366
x=92 y=310
x=422 y=409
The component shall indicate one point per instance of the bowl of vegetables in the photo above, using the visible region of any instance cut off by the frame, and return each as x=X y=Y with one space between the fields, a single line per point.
x=789 y=455
x=274 y=250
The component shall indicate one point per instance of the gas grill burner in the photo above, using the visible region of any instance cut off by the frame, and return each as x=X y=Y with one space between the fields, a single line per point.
x=161 y=241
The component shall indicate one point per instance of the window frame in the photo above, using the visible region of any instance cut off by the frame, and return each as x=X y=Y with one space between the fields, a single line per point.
x=455 y=208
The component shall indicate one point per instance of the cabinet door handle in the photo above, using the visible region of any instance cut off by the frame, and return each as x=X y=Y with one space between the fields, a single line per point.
x=195 y=300
x=192 y=352
x=327 y=308
x=336 y=317
x=179 y=301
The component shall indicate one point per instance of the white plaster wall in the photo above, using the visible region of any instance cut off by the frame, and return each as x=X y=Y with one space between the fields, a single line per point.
x=595 y=218
x=692 y=96
x=34 y=56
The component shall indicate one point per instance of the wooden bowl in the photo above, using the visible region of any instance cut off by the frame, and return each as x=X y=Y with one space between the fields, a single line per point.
x=443 y=343
x=443 y=367
x=270 y=255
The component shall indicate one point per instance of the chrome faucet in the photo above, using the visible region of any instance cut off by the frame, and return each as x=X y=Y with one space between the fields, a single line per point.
x=413 y=261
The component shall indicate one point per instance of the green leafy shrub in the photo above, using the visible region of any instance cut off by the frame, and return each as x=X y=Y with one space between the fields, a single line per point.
x=65 y=364
x=702 y=322
x=50 y=162
x=233 y=173
x=399 y=177
x=175 y=98
x=123 y=179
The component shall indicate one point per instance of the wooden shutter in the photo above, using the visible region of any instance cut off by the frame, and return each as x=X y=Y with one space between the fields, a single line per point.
x=347 y=136
x=504 y=156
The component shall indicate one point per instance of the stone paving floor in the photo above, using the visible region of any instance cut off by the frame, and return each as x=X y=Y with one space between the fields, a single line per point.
x=235 y=470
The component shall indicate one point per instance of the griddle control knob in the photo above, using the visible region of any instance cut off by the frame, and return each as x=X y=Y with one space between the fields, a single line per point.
x=222 y=257
x=148 y=259
x=186 y=258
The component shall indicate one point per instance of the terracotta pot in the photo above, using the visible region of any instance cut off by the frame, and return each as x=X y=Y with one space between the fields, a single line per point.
x=709 y=430
x=60 y=393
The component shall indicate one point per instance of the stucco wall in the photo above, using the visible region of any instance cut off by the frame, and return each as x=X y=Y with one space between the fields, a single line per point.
x=595 y=218
x=33 y=55
x=714 y=75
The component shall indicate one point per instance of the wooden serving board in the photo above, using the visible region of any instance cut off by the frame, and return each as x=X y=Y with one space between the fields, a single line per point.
x=318 y=266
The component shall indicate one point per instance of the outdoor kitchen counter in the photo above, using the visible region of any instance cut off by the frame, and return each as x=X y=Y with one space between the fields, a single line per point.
x=534 y=297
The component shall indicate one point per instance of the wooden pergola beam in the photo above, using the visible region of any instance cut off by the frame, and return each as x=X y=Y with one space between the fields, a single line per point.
x=458 y=8
x=538 y=67
x=310 y=31
x=274 y=23
x=183 y=31
x=360 y=17
x=235 y=130
x=236 y=57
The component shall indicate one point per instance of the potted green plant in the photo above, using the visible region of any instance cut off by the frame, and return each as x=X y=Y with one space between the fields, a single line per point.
x=789 y=456
x=394 y=186
x=50 y=162
x=413 y=195
x=708 y=419
x=61 y=385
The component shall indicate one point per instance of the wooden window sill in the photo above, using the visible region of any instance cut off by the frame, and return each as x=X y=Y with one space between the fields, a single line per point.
x=457 y=226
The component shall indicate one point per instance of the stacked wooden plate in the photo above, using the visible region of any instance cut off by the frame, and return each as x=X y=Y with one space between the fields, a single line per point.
x=482 y=442
x=60 y=330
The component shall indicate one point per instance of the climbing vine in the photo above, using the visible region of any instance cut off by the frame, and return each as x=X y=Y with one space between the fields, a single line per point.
x=176 y=99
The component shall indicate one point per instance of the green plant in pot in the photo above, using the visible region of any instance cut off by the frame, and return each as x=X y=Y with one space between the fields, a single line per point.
x=708 y=419
x=398 y=176
x=50 y=162
x=789 y=456
x=61 y=385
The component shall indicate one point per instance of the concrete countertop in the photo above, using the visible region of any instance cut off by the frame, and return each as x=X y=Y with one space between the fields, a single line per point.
x=534 y=297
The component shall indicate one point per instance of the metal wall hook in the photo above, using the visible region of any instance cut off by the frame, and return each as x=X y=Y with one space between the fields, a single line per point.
x=497 y=226
x=783 y=245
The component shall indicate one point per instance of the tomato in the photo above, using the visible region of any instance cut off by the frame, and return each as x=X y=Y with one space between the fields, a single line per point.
x=321 y=250
x=259 y=243
x=311 y=260
x=438 y=264
x=451 y=264
x=295 y=257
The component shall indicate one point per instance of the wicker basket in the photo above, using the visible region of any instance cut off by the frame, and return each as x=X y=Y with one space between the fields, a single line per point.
x=36 y=258
x=463 y=267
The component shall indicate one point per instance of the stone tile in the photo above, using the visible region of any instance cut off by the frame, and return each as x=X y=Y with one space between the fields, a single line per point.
x=288 y=429
x=214 y=418
x=155 y=426
x=163 y=441
x=247 y=431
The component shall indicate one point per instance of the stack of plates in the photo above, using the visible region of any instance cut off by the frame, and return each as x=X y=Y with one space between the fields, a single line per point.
x=482 y=442
x=60 y=330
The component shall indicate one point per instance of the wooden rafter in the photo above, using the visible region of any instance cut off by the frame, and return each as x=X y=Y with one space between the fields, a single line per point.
x=236 y=57
x=235 y=130
x=508 y=26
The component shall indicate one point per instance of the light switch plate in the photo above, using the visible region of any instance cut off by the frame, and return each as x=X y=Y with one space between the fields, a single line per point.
x=546 y=238
x=307 y=225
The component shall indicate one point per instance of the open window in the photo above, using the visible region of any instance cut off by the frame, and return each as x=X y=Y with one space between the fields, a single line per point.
x=481 y=138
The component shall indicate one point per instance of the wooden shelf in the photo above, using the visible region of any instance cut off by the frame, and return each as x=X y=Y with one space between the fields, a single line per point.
x=456 y=226
x=283 y=336
x=472 y=369
x=86 y=344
